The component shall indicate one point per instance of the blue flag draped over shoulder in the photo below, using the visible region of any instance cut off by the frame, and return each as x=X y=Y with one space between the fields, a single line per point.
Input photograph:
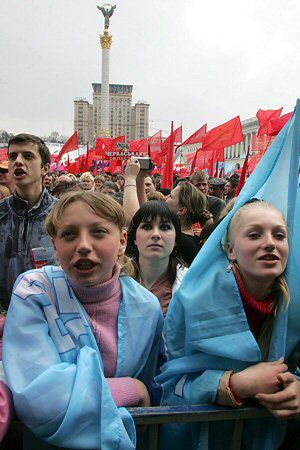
x=206 y=329
x=54 y=368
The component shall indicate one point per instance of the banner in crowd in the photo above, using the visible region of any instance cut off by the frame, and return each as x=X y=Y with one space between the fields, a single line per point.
x=116 y=149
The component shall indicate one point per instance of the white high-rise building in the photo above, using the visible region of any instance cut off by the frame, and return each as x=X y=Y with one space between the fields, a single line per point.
x=124 y=118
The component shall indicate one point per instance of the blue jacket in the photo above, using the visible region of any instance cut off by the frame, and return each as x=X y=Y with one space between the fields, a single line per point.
x=21 y=230
x=53 y=364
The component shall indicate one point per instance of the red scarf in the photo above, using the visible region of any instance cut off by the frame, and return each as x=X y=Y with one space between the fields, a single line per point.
x=256 y=311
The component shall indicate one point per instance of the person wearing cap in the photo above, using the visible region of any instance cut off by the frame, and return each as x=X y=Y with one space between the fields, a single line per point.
x=216 y=187
x=214 y=204
x=24 y=242
x=5 y=177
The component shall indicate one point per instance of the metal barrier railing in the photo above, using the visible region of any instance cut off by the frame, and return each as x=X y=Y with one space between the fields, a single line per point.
x=153 y=417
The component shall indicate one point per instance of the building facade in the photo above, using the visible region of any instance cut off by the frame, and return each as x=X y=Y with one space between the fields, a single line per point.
x=140 y=120
x=124 y=118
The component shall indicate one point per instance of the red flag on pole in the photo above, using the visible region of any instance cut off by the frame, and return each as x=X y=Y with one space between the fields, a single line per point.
x=175 y=136
x=196 y=137
x=243 y=174
x=71 y=144
x=264 y=117
x=194 y=162
x=167 y=178
x=229 y=133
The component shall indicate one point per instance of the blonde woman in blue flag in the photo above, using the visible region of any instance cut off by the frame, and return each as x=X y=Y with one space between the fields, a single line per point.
x=81 y=340
x=234 y=323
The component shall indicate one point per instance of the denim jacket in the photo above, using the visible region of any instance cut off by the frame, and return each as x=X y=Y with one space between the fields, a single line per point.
x=21 y=230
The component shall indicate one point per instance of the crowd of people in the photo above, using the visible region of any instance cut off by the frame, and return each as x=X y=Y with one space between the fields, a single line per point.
x=116 y=292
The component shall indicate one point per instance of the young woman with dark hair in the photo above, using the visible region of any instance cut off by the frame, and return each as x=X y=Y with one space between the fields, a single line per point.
x=154 y=240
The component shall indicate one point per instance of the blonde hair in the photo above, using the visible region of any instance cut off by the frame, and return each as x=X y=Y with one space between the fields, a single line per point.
x=102 y=205
x=4 y=191
x=193 y=200
x=86 y=176
x=155 y=195
x=72 y=177
x=99 y=178
x=280 y=287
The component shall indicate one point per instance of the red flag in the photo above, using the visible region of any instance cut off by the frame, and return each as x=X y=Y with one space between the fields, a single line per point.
x=82 y=164
x=176 y=137
x=105 y=145
x=139 y=147
x=229 y=133
x=155 y=143
x=243 y=174
x=86 y=161
x=254 y=161
x=261 y=143
x=167 y=178
x=193 y=161
x=275 y=125
x=71 y=144
x=196 y=137
x=205 y=159
x=113 y=164
x=3 y=154
x=264 y=118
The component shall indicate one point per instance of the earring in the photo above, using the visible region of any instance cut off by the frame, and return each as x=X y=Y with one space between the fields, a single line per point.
x=230 y=266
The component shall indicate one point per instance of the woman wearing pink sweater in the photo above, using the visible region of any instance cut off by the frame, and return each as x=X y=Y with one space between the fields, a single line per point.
x=81 y=340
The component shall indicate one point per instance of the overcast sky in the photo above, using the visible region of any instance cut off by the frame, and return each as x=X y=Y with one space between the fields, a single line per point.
x=194 y=61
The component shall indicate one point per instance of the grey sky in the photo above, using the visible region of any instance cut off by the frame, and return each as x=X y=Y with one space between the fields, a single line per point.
x=193 y=61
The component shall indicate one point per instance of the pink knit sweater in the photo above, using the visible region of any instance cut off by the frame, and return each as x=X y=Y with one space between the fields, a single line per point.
x=102 y=303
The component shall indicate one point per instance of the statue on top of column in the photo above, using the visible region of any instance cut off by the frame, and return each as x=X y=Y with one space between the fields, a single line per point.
x=107 y=10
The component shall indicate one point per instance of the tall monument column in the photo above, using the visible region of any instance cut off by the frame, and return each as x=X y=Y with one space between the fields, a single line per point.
x=106 y=41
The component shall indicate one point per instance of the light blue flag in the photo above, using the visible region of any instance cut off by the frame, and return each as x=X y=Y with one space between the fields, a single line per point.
x=206 y=329
x=54 y=367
